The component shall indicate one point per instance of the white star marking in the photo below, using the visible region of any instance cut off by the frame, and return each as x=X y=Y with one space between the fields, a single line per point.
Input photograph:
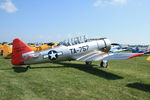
x=52 y=55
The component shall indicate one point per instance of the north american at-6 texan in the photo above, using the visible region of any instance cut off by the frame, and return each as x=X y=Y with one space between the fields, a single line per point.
x=86 y=51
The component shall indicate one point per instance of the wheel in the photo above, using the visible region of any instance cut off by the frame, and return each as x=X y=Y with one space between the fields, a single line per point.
x=104 y=64
x=88 y=62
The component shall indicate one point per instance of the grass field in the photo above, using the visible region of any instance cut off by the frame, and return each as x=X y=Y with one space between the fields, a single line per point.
x=122 y=80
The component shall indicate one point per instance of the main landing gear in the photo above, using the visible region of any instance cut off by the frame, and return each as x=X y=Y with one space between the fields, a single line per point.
x=104 y=64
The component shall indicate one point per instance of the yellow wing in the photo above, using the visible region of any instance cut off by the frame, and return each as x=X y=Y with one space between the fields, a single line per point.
x=148 y=59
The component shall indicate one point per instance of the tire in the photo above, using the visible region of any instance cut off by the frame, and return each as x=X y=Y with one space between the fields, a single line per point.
x=104 y=64
x=28 y=67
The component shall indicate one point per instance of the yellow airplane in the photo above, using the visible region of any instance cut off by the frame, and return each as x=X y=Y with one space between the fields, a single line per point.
x=43 y=47
x=7 y=50
x=1 y=49
x=148 y=58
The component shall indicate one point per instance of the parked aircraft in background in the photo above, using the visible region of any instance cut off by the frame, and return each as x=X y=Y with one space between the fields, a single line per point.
x=7 y=50
x=1 y=49
x=138 y=50
x=86 y=50
x=115 y=47
x=148 y=58
x=43 y=47
x=147 y=50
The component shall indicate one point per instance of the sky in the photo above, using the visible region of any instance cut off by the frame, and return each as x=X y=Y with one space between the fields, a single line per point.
x=122 y=21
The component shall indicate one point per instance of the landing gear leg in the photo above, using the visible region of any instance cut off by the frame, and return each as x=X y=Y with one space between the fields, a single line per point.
x=88 y=62
x=104 y=64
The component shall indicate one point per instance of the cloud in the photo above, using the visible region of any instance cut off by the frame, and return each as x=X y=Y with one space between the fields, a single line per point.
x=8 y=6
x=99 y=3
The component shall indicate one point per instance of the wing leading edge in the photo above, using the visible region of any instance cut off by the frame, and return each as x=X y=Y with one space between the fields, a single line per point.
x=115 y=56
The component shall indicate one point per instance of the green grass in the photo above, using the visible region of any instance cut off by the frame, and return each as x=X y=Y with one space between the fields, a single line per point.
x=122 y=80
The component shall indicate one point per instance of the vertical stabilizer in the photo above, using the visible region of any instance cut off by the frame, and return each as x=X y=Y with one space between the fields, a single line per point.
x=19 y=48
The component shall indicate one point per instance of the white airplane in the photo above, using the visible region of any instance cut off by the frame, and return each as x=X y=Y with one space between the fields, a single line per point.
x=86 y=51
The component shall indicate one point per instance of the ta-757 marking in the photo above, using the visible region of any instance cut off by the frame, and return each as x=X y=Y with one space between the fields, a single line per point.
x=79 y=49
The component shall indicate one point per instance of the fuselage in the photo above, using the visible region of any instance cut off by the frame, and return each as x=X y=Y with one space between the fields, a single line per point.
x=64 y=53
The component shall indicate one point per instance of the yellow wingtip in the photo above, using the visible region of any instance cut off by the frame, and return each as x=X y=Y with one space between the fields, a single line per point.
x=148 y=58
